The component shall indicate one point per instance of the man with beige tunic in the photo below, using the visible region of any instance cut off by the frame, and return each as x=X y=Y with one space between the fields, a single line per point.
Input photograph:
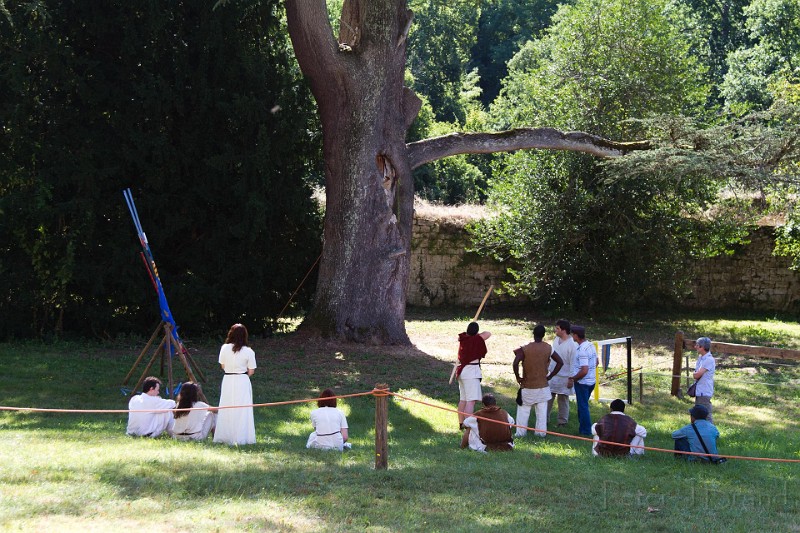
x=565 y=346
x=535 y=357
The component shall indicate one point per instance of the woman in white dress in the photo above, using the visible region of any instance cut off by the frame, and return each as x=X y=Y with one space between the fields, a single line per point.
x=192 y=425
x=236 y=426
x=329 y=423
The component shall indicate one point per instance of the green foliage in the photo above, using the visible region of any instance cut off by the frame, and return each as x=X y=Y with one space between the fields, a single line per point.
x=784 y=193
x=438 y=52
x=451 y=181
x=503 y=27
x=190 y=107
x=787 y=242
x=774 y=55
x=600 y=63
x=572 y=232
x=334 y=14
x=757 y=153
x=720 y=26
x=458 y=179
x=753 y=152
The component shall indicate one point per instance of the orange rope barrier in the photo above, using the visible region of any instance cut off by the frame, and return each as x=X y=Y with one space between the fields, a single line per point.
x=384 y=392
x=587 y=439
x=106 y=411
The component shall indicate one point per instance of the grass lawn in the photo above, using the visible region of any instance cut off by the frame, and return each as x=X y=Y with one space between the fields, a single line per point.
x=69 y=472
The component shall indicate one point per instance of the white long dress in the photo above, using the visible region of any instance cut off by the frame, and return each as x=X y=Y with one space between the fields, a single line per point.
x=236 y=426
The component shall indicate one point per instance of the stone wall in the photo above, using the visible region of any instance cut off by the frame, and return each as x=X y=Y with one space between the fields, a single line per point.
x=751 y=278
x=444 y=274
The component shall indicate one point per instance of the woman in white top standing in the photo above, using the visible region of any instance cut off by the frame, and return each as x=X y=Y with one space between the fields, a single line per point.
x=236 y=426
x=329 y=423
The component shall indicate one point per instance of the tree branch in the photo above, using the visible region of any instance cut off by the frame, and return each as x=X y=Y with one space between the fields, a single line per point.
x=312 y=38
x=411 y=106
x=435 y=148
x=351 y=23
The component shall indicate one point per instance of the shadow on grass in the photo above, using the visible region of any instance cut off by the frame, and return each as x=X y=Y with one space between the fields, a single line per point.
x=514 y=491
x=424 y=488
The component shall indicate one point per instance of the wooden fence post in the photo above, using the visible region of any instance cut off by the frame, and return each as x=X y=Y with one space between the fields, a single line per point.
x=686 y=370
x=641 y=387
x=381 y=428
x=677 y=362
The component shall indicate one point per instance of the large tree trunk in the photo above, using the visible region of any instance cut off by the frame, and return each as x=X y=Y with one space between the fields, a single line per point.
x=365 y=112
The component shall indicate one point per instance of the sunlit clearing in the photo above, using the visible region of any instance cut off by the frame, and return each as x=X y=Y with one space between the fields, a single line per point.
x=434 y=413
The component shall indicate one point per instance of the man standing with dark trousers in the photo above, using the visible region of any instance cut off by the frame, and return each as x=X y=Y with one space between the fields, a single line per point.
x=704 y=370
x=584 y=378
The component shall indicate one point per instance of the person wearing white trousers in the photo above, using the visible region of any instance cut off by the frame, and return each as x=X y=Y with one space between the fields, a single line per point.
x=535 y=391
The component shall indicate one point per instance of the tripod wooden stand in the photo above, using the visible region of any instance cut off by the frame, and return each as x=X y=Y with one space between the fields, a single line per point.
x=169 y=345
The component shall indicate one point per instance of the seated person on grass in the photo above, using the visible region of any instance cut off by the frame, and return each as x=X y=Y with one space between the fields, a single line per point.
x=150 y=424
x=691 y=437
x=482 y=435
x=617 y=427
x=329 y=423
x=193 y=425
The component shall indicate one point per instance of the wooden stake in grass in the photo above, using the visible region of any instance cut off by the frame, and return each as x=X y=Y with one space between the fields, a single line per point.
x=475 y=318
x=677 y=361
x=381 y=428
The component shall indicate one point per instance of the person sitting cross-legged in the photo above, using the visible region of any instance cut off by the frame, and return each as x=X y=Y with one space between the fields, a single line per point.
x=616 y=426
x=149 y=424
x=195 y=424
x=329 y=423
x=691 y=437
x=493 y=434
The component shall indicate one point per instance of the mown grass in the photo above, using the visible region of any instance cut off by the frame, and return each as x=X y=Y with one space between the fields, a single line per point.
x=80 y=472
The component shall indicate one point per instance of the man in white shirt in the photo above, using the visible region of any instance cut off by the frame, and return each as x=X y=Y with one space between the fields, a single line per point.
x=565 y=347
x=148 y=424
x=584 y=378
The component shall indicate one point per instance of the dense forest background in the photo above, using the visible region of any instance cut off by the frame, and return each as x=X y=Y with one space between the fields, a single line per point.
x=201 y=109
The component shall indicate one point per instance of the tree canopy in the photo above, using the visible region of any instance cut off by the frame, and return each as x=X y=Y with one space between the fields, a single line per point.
x=574 y=233
x=203 y=113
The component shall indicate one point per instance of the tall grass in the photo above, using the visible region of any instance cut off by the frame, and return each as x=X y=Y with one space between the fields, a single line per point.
x=80 y=472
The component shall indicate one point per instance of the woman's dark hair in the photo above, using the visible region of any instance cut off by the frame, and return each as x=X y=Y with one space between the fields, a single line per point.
x=237 y=336
x=472 y=328
x=326 y=399
x=187 y=397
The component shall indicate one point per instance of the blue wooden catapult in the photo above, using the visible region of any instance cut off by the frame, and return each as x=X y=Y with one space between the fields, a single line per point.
x=171 y=344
